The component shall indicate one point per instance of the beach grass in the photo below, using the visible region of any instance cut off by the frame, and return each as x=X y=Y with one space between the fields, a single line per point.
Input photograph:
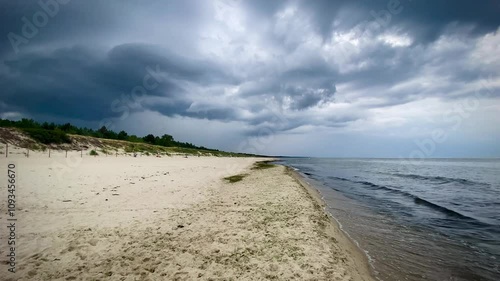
x=235 y=178
x=262 y=165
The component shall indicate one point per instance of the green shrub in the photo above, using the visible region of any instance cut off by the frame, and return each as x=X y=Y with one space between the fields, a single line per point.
x=93 y=153
x=47 y=136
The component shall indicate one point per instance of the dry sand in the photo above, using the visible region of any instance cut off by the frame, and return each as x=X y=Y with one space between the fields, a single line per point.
x=169 y=218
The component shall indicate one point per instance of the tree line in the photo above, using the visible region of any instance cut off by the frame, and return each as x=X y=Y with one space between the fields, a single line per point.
x=48 y=133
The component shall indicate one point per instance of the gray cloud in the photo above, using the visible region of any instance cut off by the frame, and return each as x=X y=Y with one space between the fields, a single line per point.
x=425 y=20
x=281 y=66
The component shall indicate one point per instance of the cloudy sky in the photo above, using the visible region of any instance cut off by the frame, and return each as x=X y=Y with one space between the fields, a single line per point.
x=364 y=78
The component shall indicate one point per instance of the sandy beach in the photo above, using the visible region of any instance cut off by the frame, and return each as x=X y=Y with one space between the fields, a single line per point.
x=169 y=218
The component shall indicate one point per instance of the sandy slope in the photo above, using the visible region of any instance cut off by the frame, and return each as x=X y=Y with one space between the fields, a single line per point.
x=148 y=218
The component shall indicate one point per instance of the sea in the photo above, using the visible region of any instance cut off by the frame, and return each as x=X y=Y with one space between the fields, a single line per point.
x=435 y=219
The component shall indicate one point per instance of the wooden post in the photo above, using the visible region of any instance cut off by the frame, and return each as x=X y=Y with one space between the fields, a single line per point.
x=49 y=152
x=27 y=153
x=6 y=149
x=66 y=153
x=81 y=152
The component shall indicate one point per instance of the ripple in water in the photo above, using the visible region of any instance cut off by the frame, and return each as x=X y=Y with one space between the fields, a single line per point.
x=435 y=221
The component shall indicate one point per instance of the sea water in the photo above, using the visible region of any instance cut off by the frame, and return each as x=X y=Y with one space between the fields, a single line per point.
x=437 y=219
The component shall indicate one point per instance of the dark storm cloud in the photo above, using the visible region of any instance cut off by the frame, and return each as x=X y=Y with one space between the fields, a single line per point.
x=66 y=20
x=76 y=22
x=304 y=98
x=424 y=19
x=310 y=84
x=86 y=61
x=175 y=66
x=72 y=82
x=223 y=114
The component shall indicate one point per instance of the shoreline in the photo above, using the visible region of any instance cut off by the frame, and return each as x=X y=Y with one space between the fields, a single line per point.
x=360 y=257
x=376 y=207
